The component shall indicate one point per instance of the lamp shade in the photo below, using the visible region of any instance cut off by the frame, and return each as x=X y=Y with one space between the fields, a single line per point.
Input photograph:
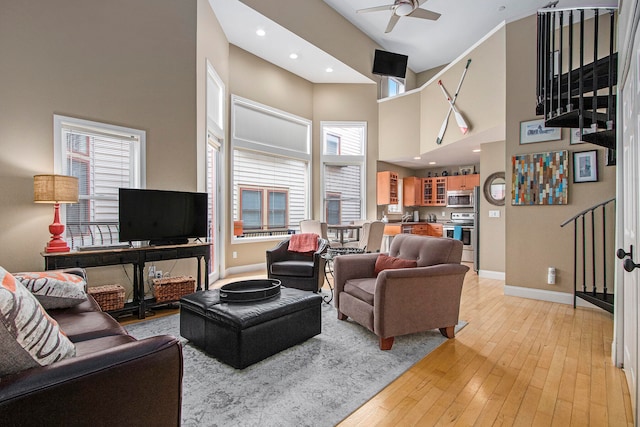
x=55 y=189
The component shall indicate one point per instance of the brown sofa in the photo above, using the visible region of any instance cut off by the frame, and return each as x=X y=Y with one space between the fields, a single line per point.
x=114 y=379
x=406 y=300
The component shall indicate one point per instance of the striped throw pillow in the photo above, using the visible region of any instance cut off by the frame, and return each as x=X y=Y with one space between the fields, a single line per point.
x=28 y=336
x=55 y=289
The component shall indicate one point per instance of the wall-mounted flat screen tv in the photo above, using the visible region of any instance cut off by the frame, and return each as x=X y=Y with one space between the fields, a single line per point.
x=390 y=64
x=162 y=217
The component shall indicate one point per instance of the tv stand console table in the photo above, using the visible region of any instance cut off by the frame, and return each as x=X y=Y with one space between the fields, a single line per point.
x=138 y=257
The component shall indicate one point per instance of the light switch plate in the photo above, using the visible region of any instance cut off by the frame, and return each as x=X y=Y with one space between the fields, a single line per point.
x=494 y=214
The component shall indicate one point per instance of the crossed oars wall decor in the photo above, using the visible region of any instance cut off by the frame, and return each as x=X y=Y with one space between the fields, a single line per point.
x=462 y=123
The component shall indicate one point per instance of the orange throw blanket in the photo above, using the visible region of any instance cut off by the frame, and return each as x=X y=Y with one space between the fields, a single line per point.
x=305 y=242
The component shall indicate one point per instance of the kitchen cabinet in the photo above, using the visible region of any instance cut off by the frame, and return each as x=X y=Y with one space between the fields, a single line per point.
x=463 y=182
x=434 y=191
x=423 y=229
x=387 y=188
x=412 y=191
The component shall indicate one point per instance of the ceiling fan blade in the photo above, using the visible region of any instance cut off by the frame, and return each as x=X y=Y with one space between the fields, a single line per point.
x=392 y=23
x=424 y=14
x=375 y=9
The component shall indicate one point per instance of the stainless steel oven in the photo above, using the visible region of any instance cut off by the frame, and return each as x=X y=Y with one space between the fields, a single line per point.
x=460 y=198
x=462 y=227
x=466 y=233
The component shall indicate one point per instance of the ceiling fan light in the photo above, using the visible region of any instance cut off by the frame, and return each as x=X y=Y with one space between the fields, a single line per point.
x=404 y=8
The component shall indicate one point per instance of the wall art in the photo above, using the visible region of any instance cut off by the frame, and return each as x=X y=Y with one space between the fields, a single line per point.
x=535 y=131
x=585 y=166
x=540 y=179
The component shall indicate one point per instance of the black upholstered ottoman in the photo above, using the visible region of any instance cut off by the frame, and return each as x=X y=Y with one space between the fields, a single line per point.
x=240 y=334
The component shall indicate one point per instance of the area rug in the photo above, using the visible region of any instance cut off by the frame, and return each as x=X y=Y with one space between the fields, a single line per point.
x=316 y=383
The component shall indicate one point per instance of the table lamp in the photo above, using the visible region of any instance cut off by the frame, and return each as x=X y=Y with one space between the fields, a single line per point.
x=55 y=189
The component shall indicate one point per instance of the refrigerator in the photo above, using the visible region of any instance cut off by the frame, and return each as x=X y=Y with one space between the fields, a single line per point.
x=475 y=238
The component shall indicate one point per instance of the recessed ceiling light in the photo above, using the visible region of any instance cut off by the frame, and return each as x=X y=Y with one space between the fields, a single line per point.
x=293 y=56
x=417 y=158
x=432 y=163
x=260 y=32
x=477 y=150
x=329 y=70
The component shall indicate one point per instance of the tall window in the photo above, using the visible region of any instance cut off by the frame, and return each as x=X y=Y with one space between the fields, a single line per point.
x=271 y=169
x=104 y=158
x=343 y=171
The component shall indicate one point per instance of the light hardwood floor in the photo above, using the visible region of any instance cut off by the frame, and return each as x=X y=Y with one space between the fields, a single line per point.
x=518 y=362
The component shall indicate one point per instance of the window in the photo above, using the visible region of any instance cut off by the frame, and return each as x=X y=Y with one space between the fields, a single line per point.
x=343 y=171
x=104 y=158
x=395 y=86
x=332 y=144
x=263 y=208
x=271 y=169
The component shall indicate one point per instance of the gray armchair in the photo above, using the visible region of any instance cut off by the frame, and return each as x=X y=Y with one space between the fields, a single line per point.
x=407 y=300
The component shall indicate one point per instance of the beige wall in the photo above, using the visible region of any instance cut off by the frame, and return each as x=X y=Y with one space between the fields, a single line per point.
x=328 y=30
x=399 y=127
x=260 y=81
x=534 y=239
x=120 y=62
x=351 y=102
x=409 y=124
x=492 y=230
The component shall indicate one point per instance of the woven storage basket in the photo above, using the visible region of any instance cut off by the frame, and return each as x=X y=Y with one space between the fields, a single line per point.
x=173 y=288
x=108 y=297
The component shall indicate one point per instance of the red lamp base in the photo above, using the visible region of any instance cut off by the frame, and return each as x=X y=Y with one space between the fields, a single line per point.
x=57 y=243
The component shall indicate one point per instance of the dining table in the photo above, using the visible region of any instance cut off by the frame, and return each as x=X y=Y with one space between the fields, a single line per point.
x=340 y=231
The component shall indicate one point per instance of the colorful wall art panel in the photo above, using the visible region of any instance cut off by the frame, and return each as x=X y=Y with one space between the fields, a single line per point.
x=540 y=179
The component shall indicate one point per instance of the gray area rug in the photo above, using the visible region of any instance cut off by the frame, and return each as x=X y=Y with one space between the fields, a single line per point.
x=316 y=383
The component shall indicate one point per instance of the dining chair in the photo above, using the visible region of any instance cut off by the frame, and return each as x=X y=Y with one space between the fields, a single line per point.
x=370 y=237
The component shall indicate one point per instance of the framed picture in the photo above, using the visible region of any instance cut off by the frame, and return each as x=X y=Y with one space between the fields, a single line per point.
x=535 y=131
x=585 y=166
x=575 y=135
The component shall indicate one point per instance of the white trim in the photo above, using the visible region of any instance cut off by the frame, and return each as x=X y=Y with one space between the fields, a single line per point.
x=544 y=295
x=451 y=64
x=498 y=275
x=242 y=269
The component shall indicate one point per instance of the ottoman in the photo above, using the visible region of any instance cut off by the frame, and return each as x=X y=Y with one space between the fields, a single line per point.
x=240 y=334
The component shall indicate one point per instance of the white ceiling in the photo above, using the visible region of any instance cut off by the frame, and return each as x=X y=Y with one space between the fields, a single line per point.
x=428 y=44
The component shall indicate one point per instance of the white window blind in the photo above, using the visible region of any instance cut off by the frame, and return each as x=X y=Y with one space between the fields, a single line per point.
x=104 y=158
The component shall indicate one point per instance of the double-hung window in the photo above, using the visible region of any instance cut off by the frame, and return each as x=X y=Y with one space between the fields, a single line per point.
x=271 y=169
x=104 y=158
x=343 y=171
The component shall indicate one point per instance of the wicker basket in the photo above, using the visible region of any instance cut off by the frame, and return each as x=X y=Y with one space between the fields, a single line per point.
x=108 y=297
x=173 y=288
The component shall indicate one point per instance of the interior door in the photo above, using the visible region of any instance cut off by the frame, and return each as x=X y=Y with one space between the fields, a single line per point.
x=630 y=210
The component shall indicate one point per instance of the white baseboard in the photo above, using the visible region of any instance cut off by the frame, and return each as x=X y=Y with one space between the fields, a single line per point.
x=245 y=269
x=544 y=295
x=498 y=275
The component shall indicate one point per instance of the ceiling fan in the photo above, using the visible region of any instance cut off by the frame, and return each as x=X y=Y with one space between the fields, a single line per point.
x=400 y=8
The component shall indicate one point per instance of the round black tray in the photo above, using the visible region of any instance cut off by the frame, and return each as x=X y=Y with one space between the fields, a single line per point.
x=250 y=290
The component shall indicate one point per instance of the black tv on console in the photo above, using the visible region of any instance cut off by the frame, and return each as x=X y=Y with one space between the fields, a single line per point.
x=390 y=64
x=162 y=217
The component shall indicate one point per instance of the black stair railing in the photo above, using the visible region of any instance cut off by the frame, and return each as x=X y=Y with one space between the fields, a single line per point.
x=591 y=244
x=581 y=97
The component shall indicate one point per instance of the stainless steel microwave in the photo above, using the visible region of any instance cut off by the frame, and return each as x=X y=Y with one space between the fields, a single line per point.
x=460 y=199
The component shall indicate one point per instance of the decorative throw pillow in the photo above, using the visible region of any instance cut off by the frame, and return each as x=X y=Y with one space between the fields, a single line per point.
x=55 y=289
x=28 y=336
x=386 y=262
